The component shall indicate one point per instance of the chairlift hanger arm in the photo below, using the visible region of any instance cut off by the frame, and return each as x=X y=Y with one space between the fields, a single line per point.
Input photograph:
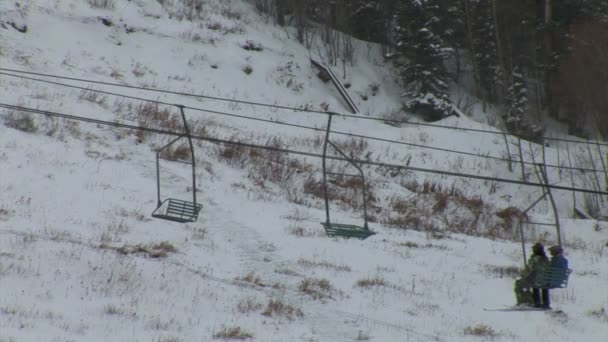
x=169 y=144
x=350 y=160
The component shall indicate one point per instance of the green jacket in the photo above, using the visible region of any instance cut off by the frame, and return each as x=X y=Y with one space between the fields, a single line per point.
x=536 y=265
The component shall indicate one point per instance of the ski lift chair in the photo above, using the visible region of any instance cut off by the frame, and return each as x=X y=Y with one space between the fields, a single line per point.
x=339 y=229
x=173 y=209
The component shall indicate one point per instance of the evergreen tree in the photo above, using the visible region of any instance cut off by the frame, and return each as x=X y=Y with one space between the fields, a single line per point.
x=422 y=51
x=517 y=95
x=516 y=117
x=485 y=50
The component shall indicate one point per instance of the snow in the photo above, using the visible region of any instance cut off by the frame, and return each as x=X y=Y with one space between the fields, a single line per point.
x=71 y=195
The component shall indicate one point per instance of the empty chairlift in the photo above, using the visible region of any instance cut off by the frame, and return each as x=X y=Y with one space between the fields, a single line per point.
x=174 y=209
x=340 y=229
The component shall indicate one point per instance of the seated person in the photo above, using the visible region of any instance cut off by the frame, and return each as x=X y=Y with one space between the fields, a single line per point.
x=557 y=260
x=536 y=264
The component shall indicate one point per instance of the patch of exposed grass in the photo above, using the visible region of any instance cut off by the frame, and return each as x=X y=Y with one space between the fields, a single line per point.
x=111 y=309
x=300 y=231
x=249 y=305
x=22 y=121
x=503 y=271
x=480 y=330
x=252 y=278
x=371 y=282
x=361 y=336
x=154 y=250
x=411 y=244
x=232 y=333
x=601 y=314
x=276 y=308
x=317 y=288
x=324 y=264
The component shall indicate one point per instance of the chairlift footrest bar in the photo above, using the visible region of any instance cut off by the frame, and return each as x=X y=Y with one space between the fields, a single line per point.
x=347 y=230
x=177 y=210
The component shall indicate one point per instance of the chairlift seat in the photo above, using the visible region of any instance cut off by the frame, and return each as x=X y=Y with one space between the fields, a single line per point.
x=552 y=278
x=177 y=210
x=346 y=230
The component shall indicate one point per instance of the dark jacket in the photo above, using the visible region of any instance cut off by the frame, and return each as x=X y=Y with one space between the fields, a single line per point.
x=559 y=261
x=536 y=265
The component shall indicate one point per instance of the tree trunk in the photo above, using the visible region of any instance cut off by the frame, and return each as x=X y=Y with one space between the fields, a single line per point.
x=280 y=7
x=470 y=42
x=499 y=50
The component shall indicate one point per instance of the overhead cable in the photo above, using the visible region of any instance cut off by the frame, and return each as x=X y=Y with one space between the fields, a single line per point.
x=281 y=123
x=295 y=152
x=254 y=103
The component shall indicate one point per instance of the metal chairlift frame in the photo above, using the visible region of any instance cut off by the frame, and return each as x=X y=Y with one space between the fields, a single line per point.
x=173 y=209
x=551 y=277
x=339 y=229
x=542 y=177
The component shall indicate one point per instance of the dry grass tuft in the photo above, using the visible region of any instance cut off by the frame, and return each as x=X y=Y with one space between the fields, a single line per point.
x=247 y=305
x=503 y=271
x=601 y=314
x=232 y=333
x=157 y=250
x=276 y=308
x=248 y=69
x=317 y=288
x=151 y=115
x=300 y=231
x=371 y=282
x=324 y=264
x=480 y=330
x=252 y=278
x=22 y=121
x=411 y=244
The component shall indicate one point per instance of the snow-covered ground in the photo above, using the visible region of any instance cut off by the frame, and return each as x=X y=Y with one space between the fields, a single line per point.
x=81 y=258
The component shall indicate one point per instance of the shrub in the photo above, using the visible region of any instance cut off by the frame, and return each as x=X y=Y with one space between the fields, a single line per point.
x=503 y=271
x=248 y=305
x=354 y=148
x=300 y=231
x=107 y=4
x=371 y=282
x=248 y=69
x=111 y=309
x=93 y=97
x=22 y=121
x=278 y=308
x=250 y=45
x=481 y=330
x=324 y=264
x=151 y=115
x=233 y=333
x=411 y=244
x=316 y=288
x=361 y=336
x=157 y=250
x=252 y=278
x=600 y=313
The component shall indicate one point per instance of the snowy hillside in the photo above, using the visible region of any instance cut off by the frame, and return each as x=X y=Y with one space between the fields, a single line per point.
x=82 y=259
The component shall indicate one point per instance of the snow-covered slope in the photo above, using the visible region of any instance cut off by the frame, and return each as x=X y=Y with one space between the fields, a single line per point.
x=81 y=259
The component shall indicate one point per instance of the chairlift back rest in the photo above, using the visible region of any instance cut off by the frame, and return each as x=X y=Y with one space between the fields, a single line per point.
x=553 y=277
